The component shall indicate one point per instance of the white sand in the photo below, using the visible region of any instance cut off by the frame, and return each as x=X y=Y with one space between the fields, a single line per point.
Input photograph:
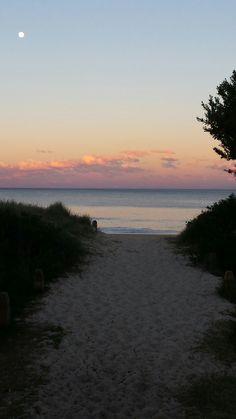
x=133 y=318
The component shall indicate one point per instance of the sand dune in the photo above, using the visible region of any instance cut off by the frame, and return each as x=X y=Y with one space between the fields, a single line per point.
x=132 y=319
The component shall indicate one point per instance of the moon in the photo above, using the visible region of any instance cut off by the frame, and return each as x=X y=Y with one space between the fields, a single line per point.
x=21 y=34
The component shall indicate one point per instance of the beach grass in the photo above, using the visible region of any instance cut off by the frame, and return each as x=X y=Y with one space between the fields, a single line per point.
x=35 y=238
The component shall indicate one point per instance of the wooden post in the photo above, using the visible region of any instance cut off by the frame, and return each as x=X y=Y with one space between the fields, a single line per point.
x=229 y=284
x=95 y=225
x=229 y=276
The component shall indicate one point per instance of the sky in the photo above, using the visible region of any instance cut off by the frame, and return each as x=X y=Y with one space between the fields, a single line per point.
x=105 y=93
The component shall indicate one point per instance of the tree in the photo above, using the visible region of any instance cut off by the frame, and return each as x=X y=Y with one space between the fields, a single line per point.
x=220 y=119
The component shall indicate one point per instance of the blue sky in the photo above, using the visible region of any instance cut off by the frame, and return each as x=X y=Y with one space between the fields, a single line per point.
x=99 y=76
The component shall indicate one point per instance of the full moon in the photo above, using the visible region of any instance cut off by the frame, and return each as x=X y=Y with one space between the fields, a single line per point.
x=21 y=34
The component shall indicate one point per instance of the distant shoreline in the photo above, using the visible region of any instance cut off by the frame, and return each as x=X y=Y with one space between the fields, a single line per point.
x=161 y=236
x=71 y=188
x=164 y=236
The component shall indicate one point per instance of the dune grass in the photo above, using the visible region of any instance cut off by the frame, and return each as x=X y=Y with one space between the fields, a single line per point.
x=33 y=237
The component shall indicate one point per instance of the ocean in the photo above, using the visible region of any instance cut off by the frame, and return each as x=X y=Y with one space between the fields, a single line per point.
x=143 y=211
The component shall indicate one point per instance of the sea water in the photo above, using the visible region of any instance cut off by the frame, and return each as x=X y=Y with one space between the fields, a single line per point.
x=144 y=211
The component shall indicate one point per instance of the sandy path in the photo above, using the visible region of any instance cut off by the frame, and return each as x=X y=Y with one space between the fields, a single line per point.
x=132 y=319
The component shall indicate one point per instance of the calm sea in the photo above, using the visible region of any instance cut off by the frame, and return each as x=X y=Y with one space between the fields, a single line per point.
x=146 y=211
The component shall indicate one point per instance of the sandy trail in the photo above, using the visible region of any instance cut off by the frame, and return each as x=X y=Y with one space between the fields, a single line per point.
x=132 y=319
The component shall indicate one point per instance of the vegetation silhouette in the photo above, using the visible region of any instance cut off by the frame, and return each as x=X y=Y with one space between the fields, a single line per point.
x=220 y=119
x=35 y=239
x=210 y=238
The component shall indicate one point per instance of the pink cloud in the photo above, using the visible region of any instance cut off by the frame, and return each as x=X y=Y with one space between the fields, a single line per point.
x=169 y=162
x=88 y=165
x=126 y=169
x=106 y=169
x=107 y=172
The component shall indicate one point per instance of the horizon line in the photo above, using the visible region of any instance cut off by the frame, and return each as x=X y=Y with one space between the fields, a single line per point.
x=114 y=188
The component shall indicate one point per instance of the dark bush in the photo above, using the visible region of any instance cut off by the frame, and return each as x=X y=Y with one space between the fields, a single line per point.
x=32 y=237
x=211 y=237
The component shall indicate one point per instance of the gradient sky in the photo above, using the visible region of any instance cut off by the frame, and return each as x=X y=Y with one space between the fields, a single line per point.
x=105 y=93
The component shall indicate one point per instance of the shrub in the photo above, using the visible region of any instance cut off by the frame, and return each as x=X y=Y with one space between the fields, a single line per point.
x=212 y=235
x=32 y=237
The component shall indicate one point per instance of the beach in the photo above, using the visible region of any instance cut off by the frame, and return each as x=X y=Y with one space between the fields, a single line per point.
x=132 y=319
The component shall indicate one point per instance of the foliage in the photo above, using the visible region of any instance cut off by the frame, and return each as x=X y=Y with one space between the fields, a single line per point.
x=220 y=119
x=213 y=233
x=33 y=237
